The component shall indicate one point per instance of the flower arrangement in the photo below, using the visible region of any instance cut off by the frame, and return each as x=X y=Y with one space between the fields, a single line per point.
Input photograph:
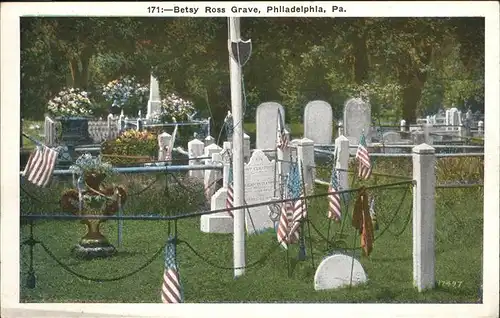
x=86 y=164
x=130 y=147
x=126 y=93
x=132 y=134
x=174 y=108
x=71 y=102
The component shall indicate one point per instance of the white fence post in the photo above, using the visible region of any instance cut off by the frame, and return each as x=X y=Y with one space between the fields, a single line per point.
x=340 y=129
x=111 y=120
x=423 y=216
x=402 y=125
x=209 y=140
x=305 y=154
x=208 y=151
x=49 y=131
x=195 y=149
x=480 y=128
x=211 y=176
x=342 y=164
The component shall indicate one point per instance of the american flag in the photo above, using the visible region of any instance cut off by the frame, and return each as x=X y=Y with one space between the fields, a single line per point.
x=171 y=290
x=282 y=139
x=362 y=155
x=334 y=207
x=40 y=166
x=284 y=224
x=230 y=193
x=296 y=192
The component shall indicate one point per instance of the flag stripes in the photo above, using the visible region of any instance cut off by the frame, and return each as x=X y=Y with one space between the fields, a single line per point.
x=40 y=166
x=171 y=289
x=334 y=205
x=230 y=194
x=284 y=222
x=362 y=155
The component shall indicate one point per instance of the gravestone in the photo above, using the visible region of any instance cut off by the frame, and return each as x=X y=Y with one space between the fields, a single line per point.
x=154 y=102
x=357 y=118
x=390 y=137
x=418 y=137
x=266 y=122
x=259 y=187
x=339 y=270
x=318 y=122
x=220 y=222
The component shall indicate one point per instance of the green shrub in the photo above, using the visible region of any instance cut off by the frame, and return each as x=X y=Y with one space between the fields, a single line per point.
x=448 y=169
x=131 y=147
x=460 y=169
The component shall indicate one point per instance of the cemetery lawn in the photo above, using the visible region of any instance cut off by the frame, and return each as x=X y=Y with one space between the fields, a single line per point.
x=31 y=129
x=459 y=224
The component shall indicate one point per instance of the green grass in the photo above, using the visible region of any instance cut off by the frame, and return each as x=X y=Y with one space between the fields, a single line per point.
x=29 y=127
x=459 y=223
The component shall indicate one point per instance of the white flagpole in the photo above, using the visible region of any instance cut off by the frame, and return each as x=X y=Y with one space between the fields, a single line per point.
x=238 y=166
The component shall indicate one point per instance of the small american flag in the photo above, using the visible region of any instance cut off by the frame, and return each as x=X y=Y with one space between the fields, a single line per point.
x=230 y=193
x=171 y=291
x=40 y=166
x=282 y=139
x=334 y=207
x=362 y=155
x=283 y=226
x=296 y=192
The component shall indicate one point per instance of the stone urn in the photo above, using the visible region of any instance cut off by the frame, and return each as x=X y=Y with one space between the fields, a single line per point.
x=74 y=130
x=97 y=199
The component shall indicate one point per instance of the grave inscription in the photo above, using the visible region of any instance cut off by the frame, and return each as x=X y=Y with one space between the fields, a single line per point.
x=259 y=187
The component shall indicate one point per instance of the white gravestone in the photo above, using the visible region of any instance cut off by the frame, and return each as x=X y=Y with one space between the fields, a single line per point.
x=154 y=102
x=267 y=124
x=357 y=118
x=220 y=222
x=259 y=187
x=338 y=271
x=391 y=137
x=318 y=122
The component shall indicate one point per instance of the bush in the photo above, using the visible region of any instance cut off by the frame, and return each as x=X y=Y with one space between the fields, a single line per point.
x=460 y=169
x=448 y=169
x=131 y=147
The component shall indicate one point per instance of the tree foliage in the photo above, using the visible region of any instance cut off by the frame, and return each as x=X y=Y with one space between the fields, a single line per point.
x=406 y=67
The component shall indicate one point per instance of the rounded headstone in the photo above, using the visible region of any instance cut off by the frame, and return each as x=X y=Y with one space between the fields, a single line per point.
x=335 y=272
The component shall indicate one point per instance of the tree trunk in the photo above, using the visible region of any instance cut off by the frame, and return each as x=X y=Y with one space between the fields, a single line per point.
x=79 y=68
x=411 y=97
x=413 y=80
x=360 y=55
x=73 y=67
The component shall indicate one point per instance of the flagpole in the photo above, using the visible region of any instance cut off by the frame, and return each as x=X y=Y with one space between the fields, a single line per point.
x=238 y=167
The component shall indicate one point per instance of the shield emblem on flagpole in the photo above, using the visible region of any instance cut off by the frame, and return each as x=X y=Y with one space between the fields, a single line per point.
x=240 y=51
